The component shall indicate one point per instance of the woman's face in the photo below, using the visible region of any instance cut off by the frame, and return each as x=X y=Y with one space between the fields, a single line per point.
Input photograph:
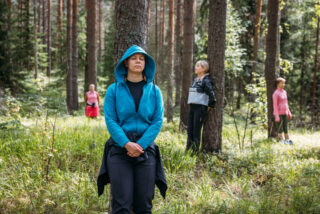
x=199 y=70
x=91 y=87
x=281 y=84
x=136 y=63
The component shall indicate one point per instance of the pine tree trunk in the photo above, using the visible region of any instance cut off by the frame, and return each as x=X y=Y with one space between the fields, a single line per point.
x=49 y=38
x=156 y=40
x=75 y=101
x=39 y=16
x=315 y=69
x=148 y=22
x=91 y=44
x=131 y=19
x=44 y=22
x=212 y=132
x=35 y=39
x=271 y=58
x=162 y=56
x=256 y=36
x=170 y=76
x=177 y=63
x=100 y=30
x=59 y=15
x=69 y=57
x=187 y=60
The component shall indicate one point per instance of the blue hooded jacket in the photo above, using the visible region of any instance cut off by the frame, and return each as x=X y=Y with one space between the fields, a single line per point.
x=119 y=108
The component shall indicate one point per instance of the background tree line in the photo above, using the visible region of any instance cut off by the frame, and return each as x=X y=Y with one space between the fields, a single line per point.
x=50 y=51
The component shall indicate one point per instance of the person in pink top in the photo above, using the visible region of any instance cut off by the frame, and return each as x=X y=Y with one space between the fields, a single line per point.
x=281 y=110
x=92 y=102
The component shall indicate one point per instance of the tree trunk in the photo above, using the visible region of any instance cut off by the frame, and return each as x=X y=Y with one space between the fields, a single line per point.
x=212 y=132
x=44 y=22
x=156 y=39
x=178 y=54
x=278 y=44
x=35 y=39
x=131 y=25
x=69 y=57
x=100 y=30
x=148 y=22
x=315 y=69
x=49 y=38
x=39 y=16
x=187 y=60
x=256 y=37
x=91 y=45
x=162 y=55
x=59 y=15
x=271 y=58
x=170 y=76
x=75 y=101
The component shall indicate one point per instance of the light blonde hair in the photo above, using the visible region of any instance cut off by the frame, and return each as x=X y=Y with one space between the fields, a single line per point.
x=204 y=64
x=280 y=79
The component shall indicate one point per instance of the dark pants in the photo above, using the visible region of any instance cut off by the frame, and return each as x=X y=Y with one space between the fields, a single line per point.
x=132 y=181
x=196 y=117
x=282 y=125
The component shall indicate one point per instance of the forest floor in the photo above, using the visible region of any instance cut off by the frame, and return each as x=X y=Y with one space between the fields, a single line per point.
x=40 y=173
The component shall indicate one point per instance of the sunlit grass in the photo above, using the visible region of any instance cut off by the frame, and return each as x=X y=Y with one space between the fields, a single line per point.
x=264 y=177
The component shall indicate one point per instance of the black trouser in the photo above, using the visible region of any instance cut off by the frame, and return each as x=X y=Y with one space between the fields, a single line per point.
x=282 y=125
x=132 y=181
x=196 y=117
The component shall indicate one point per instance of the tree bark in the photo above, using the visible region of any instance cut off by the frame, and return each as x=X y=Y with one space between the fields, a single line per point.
x=170 y=76
x=315 y=69
x=100 y=30
x=49 y=38
x=59 y=15
x=256 y=36
x=271 y=58
x=162 y=55
x=178 y=54
x=156 y=42
x=212 y=132
x=69 y=57
x=75 y=101
x=44 y=22
x=91 y=45
x=131 y=19
x=187 y=60
x=35 y=39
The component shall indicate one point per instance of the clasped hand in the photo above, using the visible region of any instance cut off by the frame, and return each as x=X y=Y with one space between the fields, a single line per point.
x=134 y=149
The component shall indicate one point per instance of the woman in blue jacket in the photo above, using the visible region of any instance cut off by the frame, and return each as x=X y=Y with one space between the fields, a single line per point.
x=133 y=109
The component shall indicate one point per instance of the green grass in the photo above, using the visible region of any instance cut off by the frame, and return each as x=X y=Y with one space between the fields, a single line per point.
x=265 y=177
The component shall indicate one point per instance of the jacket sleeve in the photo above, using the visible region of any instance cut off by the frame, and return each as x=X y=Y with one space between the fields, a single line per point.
x=153 y=130
x=208 y=89
x=111 y=119
x=275 y=106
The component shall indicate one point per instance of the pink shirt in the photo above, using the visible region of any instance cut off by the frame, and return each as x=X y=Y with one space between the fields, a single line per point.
x=92 y=97
x=280 y=103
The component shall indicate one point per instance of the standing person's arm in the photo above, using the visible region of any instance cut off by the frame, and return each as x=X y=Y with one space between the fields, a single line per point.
x=208 y=89
x=85 y=99
x=275 y=106
x=289 y=112
x=98 y=98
